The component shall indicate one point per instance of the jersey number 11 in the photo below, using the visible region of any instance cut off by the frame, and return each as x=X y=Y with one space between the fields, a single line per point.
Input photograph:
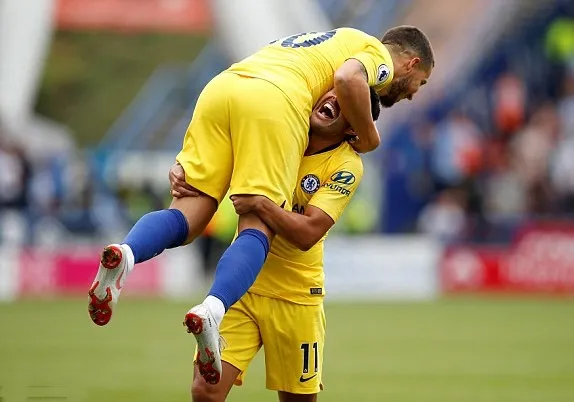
x=306 y=349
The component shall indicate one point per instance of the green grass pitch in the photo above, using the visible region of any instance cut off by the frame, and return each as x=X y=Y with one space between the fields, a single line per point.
x=452 y=350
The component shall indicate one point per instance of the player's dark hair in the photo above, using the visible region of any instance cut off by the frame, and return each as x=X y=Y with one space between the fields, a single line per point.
x=375 y=104
x=409 y=39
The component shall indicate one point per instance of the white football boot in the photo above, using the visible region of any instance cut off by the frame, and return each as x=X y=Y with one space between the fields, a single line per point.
x=115 y=263
x=200 y=322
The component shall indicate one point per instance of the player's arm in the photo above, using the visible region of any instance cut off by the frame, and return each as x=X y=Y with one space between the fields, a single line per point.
x=352 y=88
x=303 y=231
x=323 y=210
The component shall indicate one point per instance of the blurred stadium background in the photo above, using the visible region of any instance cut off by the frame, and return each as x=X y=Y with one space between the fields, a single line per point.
x=455 y=260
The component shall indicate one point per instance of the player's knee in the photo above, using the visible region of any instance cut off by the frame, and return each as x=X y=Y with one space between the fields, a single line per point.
x=203 y=392
x=197 y=211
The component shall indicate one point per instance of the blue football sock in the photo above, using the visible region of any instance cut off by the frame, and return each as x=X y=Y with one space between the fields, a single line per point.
x=239 y=266
x=155 y=232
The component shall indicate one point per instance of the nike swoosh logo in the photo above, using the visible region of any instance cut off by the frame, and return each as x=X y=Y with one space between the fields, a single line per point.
x=303 y=379
x=118 y=283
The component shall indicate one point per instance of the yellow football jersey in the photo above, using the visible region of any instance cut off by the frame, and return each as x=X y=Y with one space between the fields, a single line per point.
x=303 y=65
x=327 y=181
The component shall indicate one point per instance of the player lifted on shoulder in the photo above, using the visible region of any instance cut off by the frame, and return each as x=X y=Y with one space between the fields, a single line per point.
x=248 y=134
x=283 y=310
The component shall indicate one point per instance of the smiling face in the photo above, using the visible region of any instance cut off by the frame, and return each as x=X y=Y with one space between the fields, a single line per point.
x=327 y=119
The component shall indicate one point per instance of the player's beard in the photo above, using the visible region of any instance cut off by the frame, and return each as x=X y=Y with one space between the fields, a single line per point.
x=396 y=92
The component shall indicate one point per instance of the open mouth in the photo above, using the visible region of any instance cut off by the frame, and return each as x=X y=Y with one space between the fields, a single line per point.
x=330 y=109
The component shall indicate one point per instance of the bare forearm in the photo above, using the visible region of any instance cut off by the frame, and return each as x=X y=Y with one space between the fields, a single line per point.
x=289 y=225
x=354 y=99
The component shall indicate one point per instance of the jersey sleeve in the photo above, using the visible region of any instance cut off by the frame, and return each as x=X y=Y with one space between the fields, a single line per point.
x=335 y=194
x=377 y=62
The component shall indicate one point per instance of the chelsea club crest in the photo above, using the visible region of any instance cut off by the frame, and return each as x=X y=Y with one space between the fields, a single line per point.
x=310 y=184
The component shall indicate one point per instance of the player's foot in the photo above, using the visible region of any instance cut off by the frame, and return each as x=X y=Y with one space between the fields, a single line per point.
x=200 y=322
x=105 y=291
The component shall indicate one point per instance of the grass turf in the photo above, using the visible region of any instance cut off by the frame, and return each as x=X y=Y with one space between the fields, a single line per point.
x=464 y=349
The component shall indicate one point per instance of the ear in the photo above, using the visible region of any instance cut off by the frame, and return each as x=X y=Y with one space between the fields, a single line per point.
x=413 y=63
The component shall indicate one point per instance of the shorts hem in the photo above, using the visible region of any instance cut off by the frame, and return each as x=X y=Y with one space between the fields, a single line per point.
x=234 y=363
x=277 y=199
x=300 y=391
x=205 y=188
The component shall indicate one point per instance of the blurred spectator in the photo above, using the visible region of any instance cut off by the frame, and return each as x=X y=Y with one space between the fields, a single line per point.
x=509 y=102
x=562 y=165
x=562 y=174
x=457 y=150
x=486 y=183
x=566 y=107
x=15 y=175
x=77 y=212
x=445 y=218
x=532 y=148
x=15 y=178
x=504 y=192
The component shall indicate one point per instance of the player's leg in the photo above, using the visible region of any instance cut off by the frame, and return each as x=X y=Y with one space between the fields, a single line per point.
x=151 y=235
x=269 y=138
x=204 y=392
x=207 y=159
x=293 y=337
x=198 y=212
x=241 y=333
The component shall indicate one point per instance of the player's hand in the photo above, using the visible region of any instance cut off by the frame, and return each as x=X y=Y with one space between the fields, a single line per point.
x=361 y=146
x=245 y=204
x=351 y=139
x=357 y=145
x=178 y=185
